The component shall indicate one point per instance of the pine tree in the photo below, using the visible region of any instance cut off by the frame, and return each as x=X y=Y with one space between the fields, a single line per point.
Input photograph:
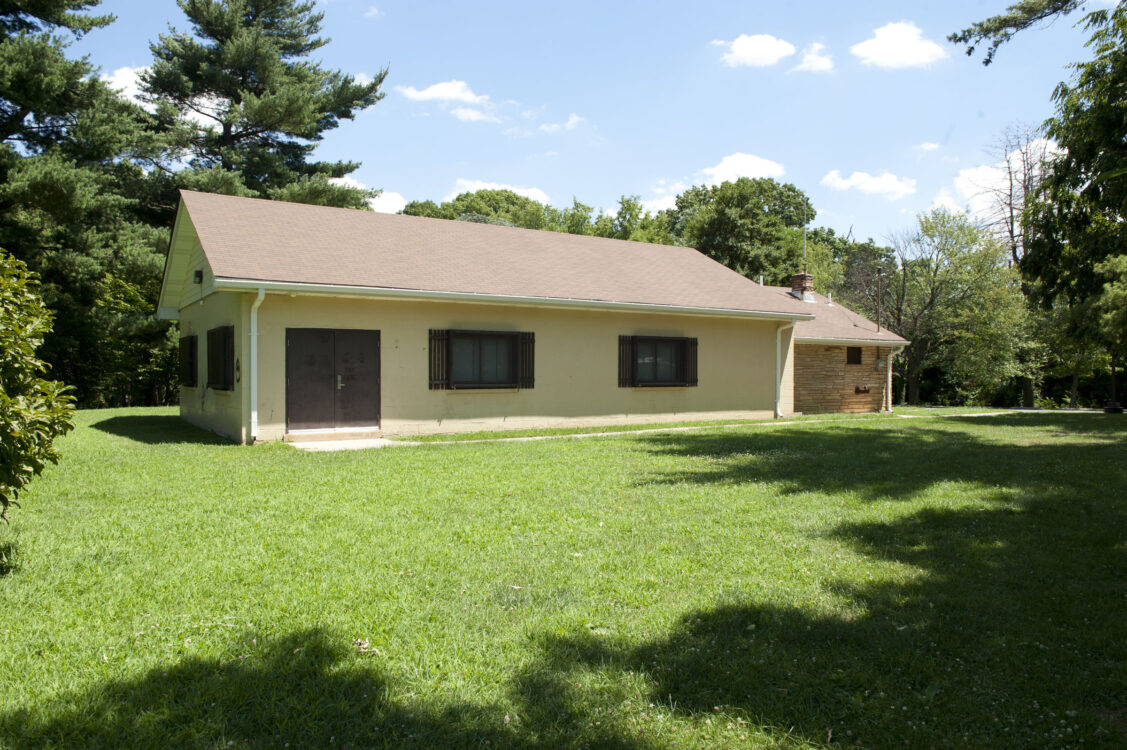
x=72 y=155
x=248 y=104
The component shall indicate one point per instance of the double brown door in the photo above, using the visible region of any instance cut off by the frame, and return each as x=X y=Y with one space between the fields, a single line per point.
x=332 y=378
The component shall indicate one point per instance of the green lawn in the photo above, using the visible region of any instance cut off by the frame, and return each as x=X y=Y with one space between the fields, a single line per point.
x=940 y=582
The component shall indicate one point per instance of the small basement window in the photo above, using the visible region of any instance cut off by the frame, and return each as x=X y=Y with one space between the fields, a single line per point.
x=189 y=361
x=221 y=358
x=481 y=359
x=656 y=361
x=852 y=355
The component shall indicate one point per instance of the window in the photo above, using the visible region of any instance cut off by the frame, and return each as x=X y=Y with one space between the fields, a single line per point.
x=481 y=359
x=189 y=361
x=852 y=355
x=221 y=358
x=655 y=361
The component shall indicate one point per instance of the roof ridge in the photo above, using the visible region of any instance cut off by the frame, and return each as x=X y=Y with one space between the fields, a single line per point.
x=485 y=225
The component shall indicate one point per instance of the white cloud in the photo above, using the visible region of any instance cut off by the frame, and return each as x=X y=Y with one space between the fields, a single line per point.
x=348 y=181
x=815 y=60
x=463 y=185
x=126 y=81
x=666 y=196
x=362 y=78
x=734 y=166
x=466 y=114
x=898 y=45
x=928 y=146
x=388 y=202
x=756 y=50
x=372 y=12
x=947 y=201
x=661 y=203
x=885 y=184
x=977 y=190
x=447 y=91
x=384 y=203
x=554 y=127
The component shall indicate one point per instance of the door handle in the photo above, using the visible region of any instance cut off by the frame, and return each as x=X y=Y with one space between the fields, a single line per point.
x=340 y=382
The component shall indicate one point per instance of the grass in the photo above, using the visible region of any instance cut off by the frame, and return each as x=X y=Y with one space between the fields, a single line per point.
x=874 y=582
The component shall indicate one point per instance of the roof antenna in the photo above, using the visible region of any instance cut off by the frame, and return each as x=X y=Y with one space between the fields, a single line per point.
x=804 y=221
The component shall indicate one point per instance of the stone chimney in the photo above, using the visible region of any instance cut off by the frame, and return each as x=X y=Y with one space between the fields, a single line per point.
x=802 y=286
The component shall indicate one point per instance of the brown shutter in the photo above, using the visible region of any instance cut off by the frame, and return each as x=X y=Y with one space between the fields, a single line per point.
x=439 y=353
x=690 y=361
x=221 y=358
x=229 y=357
x=527 y=361
x=189 y=361
x=625 y=361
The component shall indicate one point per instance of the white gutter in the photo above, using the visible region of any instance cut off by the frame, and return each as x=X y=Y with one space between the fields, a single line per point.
x=254 y=364
x=340 y=290
x=779 y=367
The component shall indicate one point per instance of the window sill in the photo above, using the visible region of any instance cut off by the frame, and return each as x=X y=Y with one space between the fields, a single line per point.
x=486 y=389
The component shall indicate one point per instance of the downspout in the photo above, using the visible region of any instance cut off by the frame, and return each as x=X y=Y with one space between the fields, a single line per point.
x=254 y=364
x=892 y=352
x=779 y=367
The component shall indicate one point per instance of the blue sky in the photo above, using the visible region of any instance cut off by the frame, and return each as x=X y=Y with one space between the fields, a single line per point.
x=864 y=106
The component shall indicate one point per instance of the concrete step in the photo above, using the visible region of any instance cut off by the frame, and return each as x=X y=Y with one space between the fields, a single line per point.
x=317 y=436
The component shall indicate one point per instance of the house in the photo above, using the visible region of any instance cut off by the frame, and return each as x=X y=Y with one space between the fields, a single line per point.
x=302 y=321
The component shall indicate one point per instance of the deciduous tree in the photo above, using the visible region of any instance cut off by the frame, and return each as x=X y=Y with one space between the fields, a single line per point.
x=745 y=225
x=955 y=298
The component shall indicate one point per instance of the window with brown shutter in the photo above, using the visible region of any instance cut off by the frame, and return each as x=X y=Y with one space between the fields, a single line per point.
x=647 y=361
x=481 y=359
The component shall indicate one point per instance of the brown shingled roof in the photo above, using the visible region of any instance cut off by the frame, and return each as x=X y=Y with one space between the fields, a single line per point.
x=832 y=322
x=274 y=241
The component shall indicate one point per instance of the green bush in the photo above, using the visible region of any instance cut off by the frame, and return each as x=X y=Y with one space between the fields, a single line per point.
x=33 y=411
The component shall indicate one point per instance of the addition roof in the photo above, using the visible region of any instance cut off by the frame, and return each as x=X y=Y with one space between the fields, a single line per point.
x=834 y=324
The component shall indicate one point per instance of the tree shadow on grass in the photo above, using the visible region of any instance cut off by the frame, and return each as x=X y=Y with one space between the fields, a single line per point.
x=900 y=459
x=1010 y=635
x=1003 y=623
x=158 y=429
x=305 y=690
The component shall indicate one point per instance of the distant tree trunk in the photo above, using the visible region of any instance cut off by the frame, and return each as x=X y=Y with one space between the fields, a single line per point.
x=1027 y=396
x=1072 y=397
x=913 y=378
x=1114 y=390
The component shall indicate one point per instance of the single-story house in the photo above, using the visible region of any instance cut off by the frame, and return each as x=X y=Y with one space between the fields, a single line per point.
x=302 y=321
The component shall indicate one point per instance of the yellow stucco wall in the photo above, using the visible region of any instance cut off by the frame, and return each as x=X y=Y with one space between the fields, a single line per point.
x=576 y=365
x=223 y=412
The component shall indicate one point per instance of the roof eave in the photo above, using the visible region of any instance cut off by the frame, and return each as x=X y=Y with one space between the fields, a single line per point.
x=340 y=290
x=851 y=341
x=162 y=309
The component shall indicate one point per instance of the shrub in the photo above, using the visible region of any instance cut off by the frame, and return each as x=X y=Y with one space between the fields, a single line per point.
x=33 y=411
